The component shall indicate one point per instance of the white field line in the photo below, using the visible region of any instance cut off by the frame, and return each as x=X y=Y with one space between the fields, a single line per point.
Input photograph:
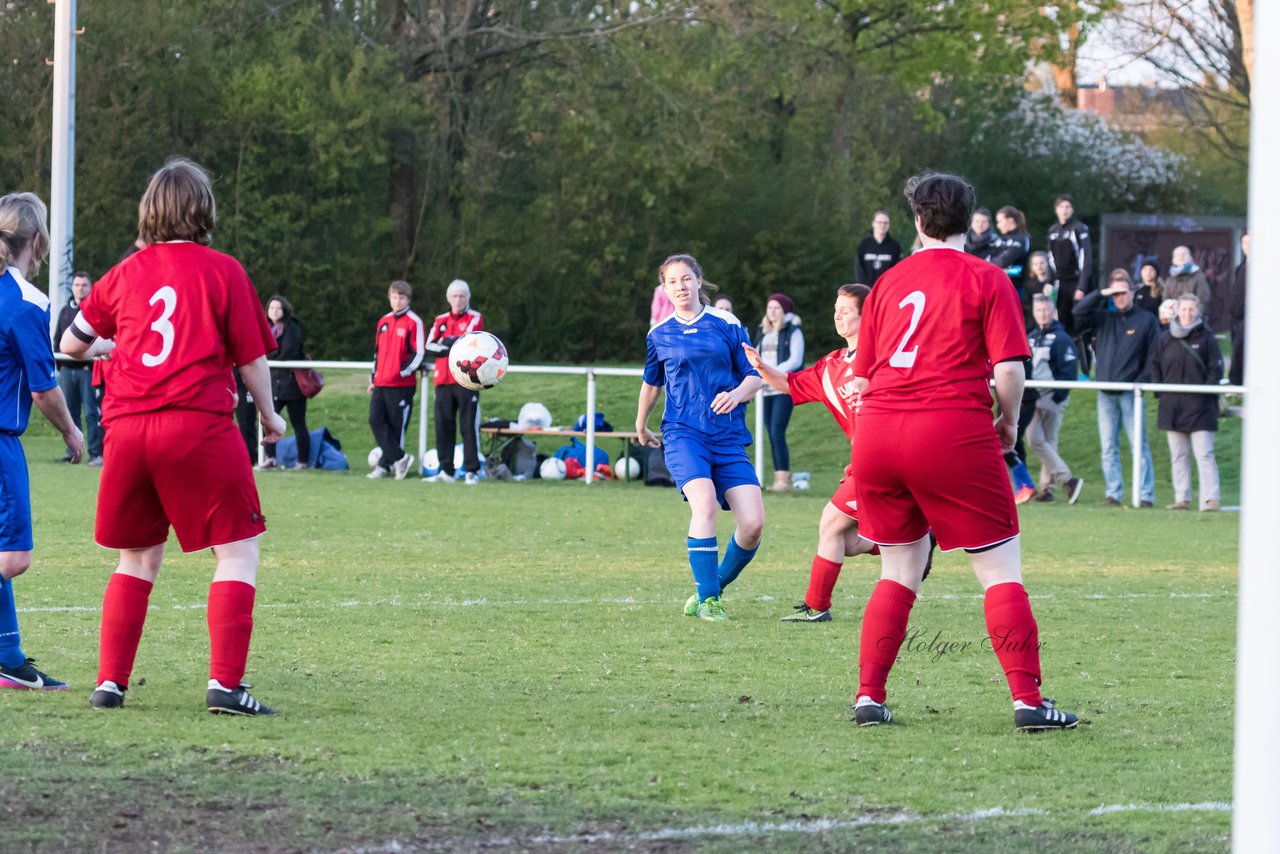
x=800 y=826
x=397 y=602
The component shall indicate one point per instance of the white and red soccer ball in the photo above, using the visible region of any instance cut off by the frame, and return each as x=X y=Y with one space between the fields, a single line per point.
x=478 y=360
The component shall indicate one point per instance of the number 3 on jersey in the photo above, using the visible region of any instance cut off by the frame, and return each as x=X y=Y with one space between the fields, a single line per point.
x=169 y=297
x=902 y=357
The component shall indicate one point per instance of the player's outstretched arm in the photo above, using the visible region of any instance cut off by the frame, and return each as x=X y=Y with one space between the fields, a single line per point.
x=775 y=378
x=54 y=407
x=644 y=408
x=257 y=378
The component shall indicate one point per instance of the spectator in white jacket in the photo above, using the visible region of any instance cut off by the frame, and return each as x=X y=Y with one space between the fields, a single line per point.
x=781 y=344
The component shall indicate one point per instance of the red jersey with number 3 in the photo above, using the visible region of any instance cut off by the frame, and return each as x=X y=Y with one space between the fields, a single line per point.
x=932 y=328
x=829 y=380
x=182 y=315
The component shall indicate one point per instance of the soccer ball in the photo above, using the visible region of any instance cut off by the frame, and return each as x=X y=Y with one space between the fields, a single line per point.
x=626 y=468
x=375 y=457
x=552 y=469
x=478 y=360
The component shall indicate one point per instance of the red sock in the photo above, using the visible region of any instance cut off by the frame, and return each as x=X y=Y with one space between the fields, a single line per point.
x=822 y=580
x=884 y=628
x=124 y=610
x=230 y=618
x=1015 y=639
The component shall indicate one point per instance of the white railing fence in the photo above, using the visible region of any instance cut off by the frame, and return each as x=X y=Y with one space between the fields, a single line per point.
x=590 y=375
x=1138 y=390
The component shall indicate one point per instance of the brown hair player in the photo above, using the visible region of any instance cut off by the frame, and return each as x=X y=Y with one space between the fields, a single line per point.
x=829 y=380
x=182 y=317
x=927 y=457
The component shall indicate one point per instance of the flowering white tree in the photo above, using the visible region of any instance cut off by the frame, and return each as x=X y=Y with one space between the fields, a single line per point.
x=1084 y=155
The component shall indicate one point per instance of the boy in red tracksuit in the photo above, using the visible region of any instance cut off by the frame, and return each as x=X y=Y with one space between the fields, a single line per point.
x=398 y=349
x=456 y=407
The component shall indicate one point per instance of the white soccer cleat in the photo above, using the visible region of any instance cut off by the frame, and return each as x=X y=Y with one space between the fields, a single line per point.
x=401 y=466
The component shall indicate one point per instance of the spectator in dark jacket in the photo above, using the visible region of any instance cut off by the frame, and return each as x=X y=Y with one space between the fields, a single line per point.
x=1053 y=357
x=1012 y=246
x=284 y=387
x=1071 y=260
x=1124 y=336
x=1150 y=291
x=981 y=240
x=1187 y=353
x=877 y=252
x=1040 y=277
x=75 y=378
x=1236 y=308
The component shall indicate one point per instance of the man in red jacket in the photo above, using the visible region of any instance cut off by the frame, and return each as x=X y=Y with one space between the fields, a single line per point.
x=398 y=350
x=456 y=407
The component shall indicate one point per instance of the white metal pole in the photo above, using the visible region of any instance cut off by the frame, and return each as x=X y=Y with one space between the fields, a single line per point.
x=1136 y=443
x=590 y=467
x=1255 y=821
x=62 y=161
x=427 y=380
x=759 y=403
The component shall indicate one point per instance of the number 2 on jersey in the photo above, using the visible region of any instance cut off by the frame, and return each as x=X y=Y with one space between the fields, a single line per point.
x=169 y=297
x=903 y=358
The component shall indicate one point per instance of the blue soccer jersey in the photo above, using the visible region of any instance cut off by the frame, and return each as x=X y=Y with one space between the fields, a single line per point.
x=26 y=351
x=695 y=360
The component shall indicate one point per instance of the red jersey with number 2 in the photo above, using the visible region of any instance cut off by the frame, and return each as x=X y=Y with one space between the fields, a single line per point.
x=182 y=315
x=932 y=328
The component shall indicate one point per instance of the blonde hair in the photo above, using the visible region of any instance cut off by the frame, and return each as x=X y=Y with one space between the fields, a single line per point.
x=178 y=204
x=23 y=221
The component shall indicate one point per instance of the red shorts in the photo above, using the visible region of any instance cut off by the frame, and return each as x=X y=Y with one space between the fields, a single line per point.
x=846 y=497
x=941 y=471
x=175 y=467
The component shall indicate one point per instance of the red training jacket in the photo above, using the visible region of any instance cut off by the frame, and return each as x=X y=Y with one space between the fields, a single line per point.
x=398 y=348
x=450 y=325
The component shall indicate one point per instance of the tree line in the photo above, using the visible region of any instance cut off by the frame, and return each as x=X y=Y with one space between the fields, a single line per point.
x=551 y=153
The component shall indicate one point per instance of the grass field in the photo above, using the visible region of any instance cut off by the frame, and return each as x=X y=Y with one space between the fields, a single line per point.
x=505 y=667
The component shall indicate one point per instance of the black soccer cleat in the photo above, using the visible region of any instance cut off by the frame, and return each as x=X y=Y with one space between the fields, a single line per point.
x=108 y=695
x=233 y=701
x=867 y=712
x=25 y=677
x=1039 y=718
x=928 y=564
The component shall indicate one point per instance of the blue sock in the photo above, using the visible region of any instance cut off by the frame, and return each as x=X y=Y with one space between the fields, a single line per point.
x=735 y=560
x=1022 y=477
x=704 y=553
x=11 y=654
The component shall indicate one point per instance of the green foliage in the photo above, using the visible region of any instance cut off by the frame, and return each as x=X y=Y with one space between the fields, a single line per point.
x=551 y=154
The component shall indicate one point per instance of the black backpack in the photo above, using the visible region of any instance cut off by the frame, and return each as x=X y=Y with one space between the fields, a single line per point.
x=520 y=456
x=655 y=469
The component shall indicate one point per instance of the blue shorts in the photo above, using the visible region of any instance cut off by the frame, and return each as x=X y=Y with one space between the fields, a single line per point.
x=15 y=497
x=689 y=458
